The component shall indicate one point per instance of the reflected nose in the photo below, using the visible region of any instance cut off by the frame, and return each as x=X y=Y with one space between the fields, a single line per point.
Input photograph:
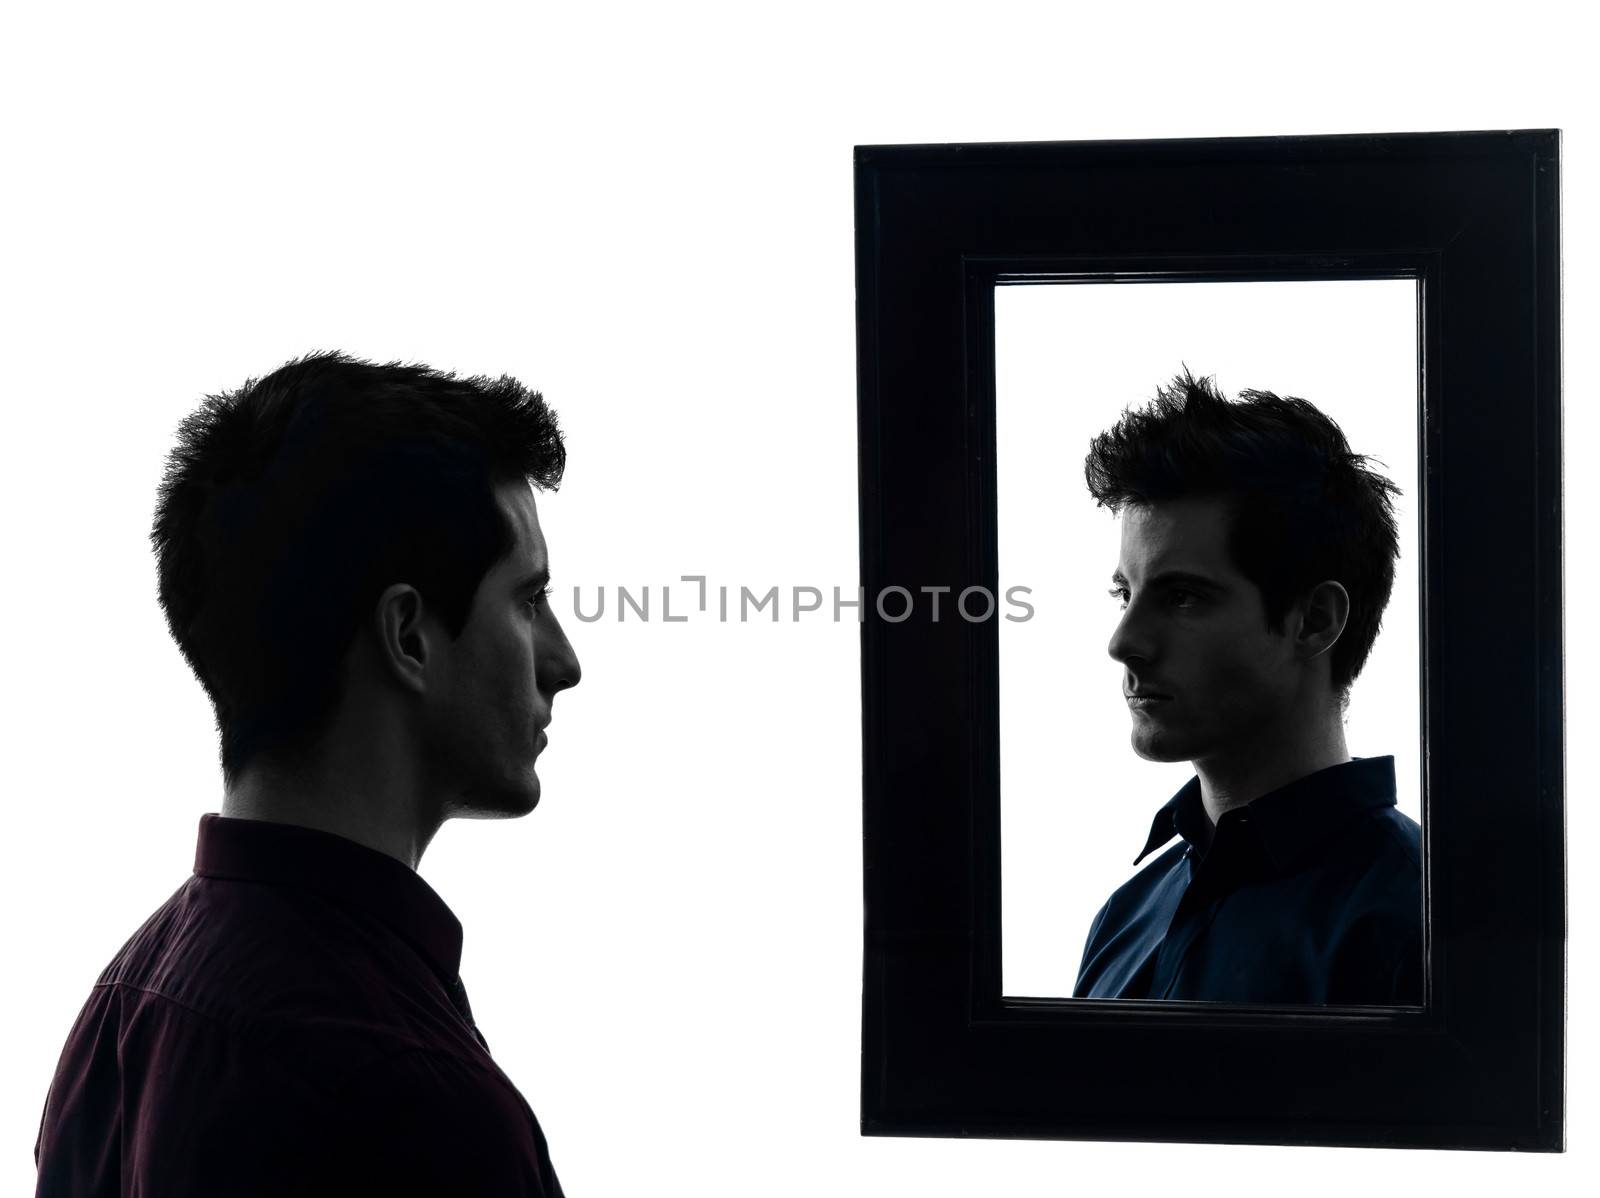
x=1127 y=640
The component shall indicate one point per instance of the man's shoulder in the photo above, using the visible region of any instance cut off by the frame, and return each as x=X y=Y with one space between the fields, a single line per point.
x=1399 y=834
x=270 y=966
x=1154 y=875
x=1130 y=923
x=1152 y=883
x=1378 y=855
x=1390 y=865
x=218 y=931
x=228 y=1111
x=1374 y=904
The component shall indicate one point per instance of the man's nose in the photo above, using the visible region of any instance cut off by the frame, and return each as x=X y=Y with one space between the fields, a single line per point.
x=562 y=669
x=1128 y=639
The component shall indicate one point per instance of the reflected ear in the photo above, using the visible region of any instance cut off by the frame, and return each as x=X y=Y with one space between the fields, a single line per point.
x=402 y=635
x=1327 y=610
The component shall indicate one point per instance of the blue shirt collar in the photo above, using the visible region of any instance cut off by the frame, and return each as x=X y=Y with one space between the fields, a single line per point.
x=1290 y=820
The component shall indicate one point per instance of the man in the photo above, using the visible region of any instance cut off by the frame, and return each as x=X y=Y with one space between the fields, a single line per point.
x=351 y=561
x=1257 y=556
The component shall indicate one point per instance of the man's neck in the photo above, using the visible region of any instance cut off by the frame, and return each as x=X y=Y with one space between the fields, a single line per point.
x=1238 y=778
x=381 y=814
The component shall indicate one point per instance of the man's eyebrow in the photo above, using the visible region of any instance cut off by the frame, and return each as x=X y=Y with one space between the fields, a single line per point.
x=539 y=578
x=1169 y=578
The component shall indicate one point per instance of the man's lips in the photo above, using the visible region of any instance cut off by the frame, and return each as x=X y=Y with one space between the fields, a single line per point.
x=1146 y=698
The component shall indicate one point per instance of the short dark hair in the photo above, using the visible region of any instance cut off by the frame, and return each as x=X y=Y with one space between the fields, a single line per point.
x=289 y=505
x=1304 y=508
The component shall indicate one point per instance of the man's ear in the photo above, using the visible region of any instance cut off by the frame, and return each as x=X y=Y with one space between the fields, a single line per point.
x=403 y=636
x=1327 y=610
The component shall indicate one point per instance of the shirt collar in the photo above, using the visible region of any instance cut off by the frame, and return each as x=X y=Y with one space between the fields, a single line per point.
x=1291 y=819
x=289 y=855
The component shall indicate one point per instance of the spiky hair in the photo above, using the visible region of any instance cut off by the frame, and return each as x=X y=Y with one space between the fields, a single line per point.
x=1304 y=508
x=289 y=504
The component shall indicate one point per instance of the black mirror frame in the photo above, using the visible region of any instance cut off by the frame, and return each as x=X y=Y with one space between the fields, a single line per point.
x=1474 y=218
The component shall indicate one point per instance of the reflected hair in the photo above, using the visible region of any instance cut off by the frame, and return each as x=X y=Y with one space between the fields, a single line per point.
x=291 y=503
x=1303 y=507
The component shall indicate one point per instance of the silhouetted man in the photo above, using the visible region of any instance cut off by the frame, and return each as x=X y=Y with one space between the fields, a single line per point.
x=1257 y=558
x=350 y=560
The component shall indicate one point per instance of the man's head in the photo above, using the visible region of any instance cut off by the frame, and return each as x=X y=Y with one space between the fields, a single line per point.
x=1257 y=557
x=337 y=510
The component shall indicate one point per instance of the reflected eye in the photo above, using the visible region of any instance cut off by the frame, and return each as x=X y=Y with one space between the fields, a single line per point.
x=1178 y=597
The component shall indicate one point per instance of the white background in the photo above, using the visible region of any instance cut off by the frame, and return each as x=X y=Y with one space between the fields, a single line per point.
x=646 y=211
x=1076 y=803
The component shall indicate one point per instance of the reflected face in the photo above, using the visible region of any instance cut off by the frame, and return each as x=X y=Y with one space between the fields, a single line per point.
x=1204 y=679
x=499 y=678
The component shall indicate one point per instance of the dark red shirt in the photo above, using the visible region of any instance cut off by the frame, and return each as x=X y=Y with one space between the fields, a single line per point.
x=290 y=1022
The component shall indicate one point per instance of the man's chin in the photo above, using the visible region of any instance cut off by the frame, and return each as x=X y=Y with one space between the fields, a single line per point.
x=1158 y=748
x=512 y=803
x=523 y=801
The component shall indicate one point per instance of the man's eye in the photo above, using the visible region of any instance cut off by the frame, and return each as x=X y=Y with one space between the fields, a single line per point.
x=1177 y=596
x=542 y=596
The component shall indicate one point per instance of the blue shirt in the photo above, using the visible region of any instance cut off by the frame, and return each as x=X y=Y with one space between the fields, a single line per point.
x=1311 y=894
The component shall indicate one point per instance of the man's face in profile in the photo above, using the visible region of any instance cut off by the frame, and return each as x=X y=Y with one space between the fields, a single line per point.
x=502 y=675
x=1193 y=634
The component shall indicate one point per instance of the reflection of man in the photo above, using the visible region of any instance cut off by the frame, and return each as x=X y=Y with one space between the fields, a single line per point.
x=351 y=561
x=1257 y=557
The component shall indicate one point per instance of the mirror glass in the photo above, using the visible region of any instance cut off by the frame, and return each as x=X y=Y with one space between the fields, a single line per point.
x=1077 y=801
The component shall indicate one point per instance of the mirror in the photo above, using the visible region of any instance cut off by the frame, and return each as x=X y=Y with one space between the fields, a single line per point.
x=1077 y=802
